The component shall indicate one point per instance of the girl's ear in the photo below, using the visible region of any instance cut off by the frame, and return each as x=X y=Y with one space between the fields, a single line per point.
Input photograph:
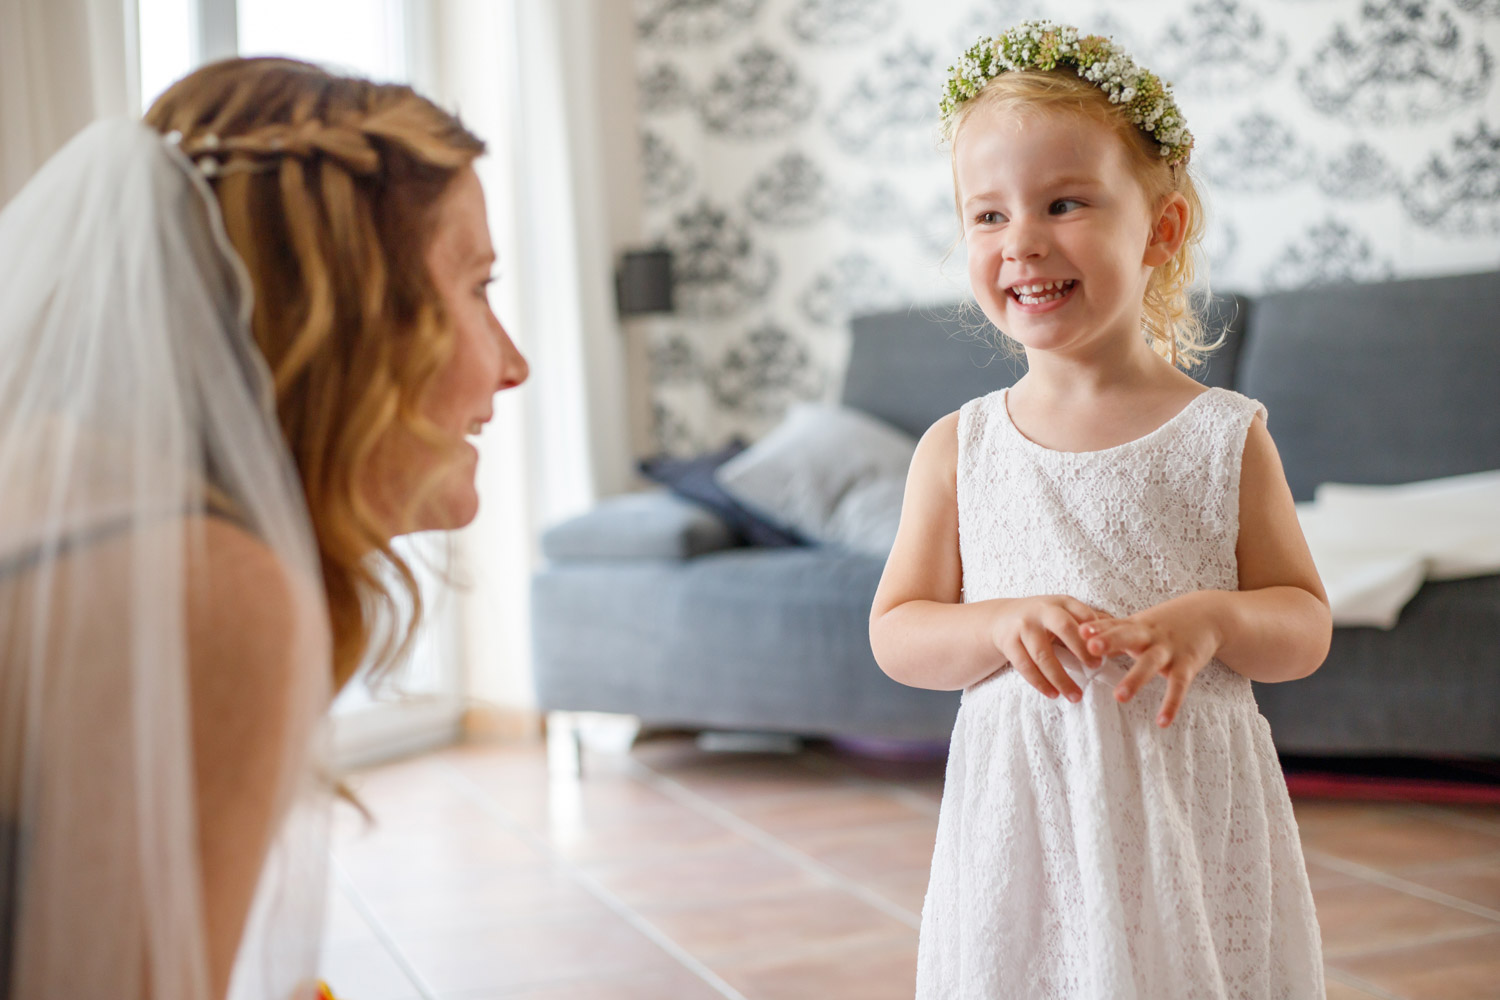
x=1169 y=231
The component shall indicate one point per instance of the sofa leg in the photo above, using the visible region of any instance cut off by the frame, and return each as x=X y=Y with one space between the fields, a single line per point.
x=564 y=746
x=608 y=732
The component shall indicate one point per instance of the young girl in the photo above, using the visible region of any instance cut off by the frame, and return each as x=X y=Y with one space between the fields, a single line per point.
x=1102 y=557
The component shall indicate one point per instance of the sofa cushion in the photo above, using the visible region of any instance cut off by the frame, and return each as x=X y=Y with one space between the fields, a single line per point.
x=867 y=517
x=912 y=366
x=747 y=638
x=693 y=479
x=655 y=525
x=797 y=475
x=1427 y=686
x=1384 y=383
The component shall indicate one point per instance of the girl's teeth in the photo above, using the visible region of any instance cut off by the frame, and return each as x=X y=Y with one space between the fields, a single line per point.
x=475 y=427
x=1046 y=291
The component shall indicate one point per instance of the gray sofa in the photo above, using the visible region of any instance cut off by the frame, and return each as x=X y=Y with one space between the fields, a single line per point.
x=647 y=606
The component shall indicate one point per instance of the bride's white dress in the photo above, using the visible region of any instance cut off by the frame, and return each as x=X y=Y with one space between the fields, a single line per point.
x=1084 y=853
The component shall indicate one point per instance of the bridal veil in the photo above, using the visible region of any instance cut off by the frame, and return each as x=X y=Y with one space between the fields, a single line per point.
x=135 y=417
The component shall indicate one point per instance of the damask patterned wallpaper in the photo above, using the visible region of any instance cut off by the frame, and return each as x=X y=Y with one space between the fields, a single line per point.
x=791 y=162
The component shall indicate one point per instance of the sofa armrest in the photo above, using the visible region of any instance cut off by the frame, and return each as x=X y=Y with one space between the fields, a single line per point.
x=654 y=525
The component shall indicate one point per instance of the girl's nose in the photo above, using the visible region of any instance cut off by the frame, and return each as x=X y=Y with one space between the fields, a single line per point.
x=1024 y=242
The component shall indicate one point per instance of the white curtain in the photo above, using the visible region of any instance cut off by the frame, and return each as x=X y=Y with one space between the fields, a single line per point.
x=63 y=63
x=562 y=249
x=523 y=73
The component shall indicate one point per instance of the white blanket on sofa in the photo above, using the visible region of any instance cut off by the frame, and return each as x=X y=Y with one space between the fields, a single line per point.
x=1374 y=545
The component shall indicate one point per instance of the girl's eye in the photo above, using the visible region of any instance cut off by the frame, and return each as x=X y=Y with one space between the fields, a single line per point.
x=989 y=218
x=1062 y=206
x=483 y=288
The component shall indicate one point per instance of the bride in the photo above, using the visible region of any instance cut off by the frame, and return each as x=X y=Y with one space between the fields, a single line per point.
x=241 y=347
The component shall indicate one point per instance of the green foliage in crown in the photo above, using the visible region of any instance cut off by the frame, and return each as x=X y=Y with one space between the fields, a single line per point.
x=1044 y=46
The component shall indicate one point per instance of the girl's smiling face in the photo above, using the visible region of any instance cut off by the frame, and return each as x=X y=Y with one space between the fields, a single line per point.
x=1060 y=236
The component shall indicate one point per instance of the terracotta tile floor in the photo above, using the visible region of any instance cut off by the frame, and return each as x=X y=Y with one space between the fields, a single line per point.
x=675 y=874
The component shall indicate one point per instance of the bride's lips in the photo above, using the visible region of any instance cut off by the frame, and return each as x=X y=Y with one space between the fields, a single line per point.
x=1053 y=297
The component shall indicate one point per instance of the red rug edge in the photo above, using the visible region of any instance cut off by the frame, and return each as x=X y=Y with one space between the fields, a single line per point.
x=1347 y=786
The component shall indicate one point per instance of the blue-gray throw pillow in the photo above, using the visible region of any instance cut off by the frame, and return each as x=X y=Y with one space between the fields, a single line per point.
x=657 y=524
x=693 y=479
x=800 y=475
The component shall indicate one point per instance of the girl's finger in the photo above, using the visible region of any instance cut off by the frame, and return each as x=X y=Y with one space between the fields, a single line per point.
x=1022 y=664
x=1065 y=629
x=1177 y=685
x=1146 y=666
x=1116 y=636
x=1081 y=612
x=1039 y=645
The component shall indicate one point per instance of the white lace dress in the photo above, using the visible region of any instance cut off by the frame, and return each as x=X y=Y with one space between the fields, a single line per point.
x=1084 y=853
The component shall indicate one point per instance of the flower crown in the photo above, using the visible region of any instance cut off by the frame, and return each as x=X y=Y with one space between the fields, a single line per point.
x=1043 y=46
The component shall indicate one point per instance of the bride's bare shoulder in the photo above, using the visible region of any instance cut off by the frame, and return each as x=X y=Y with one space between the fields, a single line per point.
x=257 y=667
x=252 y=617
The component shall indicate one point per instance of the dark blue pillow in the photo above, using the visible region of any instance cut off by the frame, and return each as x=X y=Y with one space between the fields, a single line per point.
x=693 y=479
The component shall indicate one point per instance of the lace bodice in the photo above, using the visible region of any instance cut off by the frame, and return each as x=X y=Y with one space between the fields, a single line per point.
x=1120 y=529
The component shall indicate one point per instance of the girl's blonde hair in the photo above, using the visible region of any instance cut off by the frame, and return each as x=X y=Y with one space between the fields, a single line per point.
x=1169 y=316
x=328 y=187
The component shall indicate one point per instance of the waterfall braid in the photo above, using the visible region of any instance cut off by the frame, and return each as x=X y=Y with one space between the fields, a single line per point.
x=328 y=186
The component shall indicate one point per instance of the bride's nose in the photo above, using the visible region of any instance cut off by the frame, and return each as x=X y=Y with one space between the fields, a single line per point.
x=513 y=367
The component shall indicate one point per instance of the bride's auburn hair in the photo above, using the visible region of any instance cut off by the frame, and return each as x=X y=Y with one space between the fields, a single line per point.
x=328 y=186
x=1168 y=314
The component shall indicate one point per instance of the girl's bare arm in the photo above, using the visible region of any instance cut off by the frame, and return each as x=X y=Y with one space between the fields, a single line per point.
x=1278 y=626
x=921 y=632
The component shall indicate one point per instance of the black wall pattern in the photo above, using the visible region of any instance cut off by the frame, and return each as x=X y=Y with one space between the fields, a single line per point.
x=791 y=162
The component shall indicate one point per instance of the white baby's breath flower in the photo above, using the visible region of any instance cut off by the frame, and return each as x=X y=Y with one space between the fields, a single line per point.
x=1042 y=45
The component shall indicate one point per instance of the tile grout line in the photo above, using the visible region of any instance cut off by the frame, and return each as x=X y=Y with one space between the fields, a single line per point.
x=883 y=786
x=1348 y=979
x=797 y=952
x=381 y=932
x=1399 y=884
x=1443 y=938
x=1438 y=814
x=676 y=790
x=468 y=787
x=1447 y=867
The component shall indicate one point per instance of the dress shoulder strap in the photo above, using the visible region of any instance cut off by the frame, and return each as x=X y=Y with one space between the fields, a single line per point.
x=975 y=422
x=1221 y=429
x=1241 y=406
x=1232 y=414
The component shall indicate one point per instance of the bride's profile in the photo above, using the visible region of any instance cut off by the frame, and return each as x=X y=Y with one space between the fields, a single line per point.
x=241 y=346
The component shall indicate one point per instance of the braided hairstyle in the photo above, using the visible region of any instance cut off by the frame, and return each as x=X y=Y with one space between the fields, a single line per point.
x=328 y=187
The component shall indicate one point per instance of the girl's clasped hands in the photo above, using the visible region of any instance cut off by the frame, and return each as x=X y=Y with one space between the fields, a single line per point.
x=1171 y=639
